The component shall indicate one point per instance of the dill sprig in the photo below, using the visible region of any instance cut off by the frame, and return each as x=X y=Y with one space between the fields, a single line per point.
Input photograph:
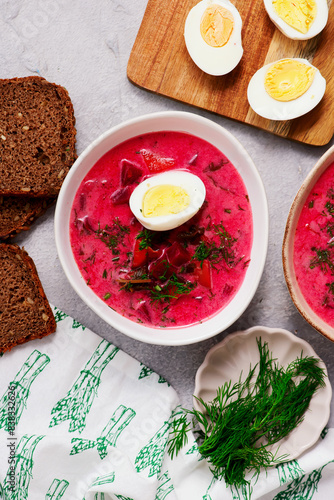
x=172 y=289
x=330 y=208
x=203 y=252
x=178 y=435
x=323 y=259
x=146 y=238
x=244 y=420
x=112 y=235
x=214 y=252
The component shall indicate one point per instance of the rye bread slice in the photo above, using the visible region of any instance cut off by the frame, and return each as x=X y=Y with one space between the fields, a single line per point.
x=25 y=313
x=18 y=213
x=37 y=136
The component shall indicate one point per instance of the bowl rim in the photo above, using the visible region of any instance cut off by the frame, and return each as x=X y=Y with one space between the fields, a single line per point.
x=288 y=239
x=149 y=122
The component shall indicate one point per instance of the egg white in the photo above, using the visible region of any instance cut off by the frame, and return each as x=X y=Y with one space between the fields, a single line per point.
x=215 y=61
x=192 y=184
x=316 y=27
x=267 y=107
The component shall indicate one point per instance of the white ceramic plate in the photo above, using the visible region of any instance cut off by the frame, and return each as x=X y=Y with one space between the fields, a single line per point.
x=237 y=352
x=225 y=142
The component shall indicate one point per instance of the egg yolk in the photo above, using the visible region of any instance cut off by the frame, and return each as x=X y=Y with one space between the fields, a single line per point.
x=299 y=14
x=164 y=199
x=216 y=25
x=287 y=80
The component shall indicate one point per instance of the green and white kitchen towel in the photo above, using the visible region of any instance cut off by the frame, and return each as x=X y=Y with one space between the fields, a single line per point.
x=80 y=419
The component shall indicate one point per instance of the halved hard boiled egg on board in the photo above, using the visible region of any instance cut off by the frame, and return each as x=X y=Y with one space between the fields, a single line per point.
x=298 y=19
x=212 y=35
x=167 y=200
x=285 y=89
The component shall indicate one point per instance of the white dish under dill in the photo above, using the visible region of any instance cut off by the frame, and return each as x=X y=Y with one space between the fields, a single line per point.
x=238 y=352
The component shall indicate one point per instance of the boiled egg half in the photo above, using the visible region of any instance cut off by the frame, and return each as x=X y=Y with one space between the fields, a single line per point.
x=298 y=19
x=212 y=35
x=167 y=200
x=285 y=89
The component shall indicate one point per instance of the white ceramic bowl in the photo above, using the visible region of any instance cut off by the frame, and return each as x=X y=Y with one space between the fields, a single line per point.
x=223 y=140
x=288 y=244
x=233 y=357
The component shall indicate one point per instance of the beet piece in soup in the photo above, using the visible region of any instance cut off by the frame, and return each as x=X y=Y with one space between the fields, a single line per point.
x=169 y=278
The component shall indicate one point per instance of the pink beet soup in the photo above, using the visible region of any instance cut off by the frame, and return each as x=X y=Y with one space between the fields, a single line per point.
x=314 y=247
x=169 y=278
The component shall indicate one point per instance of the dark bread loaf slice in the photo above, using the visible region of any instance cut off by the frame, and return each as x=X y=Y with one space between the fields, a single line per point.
x=25 y=313
x=37 y=136
x=18 y=213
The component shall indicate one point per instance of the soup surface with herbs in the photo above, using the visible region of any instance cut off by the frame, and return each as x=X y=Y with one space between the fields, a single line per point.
x=314 y=247
x=171 y=278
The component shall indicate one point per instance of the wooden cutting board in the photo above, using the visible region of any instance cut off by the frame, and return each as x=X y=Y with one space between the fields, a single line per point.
x=159 y=62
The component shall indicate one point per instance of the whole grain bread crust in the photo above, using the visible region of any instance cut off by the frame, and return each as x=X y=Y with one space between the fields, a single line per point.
x=25 y=313
x=17 y=213
x=37 y=136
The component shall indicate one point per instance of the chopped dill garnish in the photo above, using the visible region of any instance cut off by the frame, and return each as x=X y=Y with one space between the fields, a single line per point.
x=246 y=418
x=91 y=257
x=322 y=259
x=172 y=289
x=330 y=231
x=165 y=270
x=225 y=238
x=145 y=236
x=112 y=235
x=215 y=253
x=203 y=251
x=330 y=287
x=328 y=299
x=330 y=208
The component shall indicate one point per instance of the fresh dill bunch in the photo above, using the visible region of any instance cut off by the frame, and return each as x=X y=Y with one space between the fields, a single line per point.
x=240 y=425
